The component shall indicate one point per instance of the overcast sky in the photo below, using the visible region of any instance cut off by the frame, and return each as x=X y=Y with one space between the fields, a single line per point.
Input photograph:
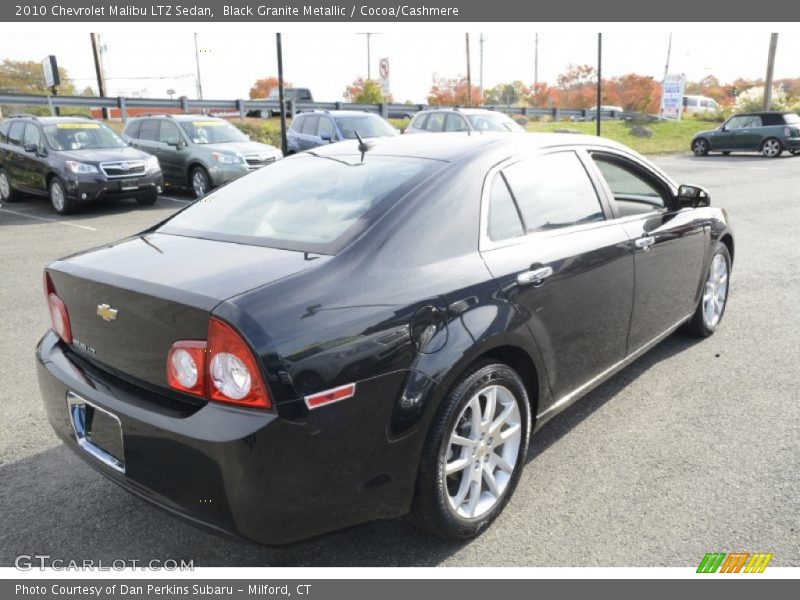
x=152 y=59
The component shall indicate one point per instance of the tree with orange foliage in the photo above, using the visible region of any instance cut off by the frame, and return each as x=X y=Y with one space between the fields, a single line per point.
x=452 y=92
x=636 y=93
x=577 y=86
x=262 y=87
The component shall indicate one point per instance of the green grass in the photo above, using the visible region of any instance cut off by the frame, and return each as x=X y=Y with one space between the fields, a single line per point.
x=669 y=137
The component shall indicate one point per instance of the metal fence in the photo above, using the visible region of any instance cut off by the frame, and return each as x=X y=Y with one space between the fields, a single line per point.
x=122 y=106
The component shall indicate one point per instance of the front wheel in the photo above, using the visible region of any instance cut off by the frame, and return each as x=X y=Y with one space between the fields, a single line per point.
x=700 y=147
x=201 y=182
x=58 y=197
x=712 y=303
x=772 y=148
x=474 y=452
x=7 y=193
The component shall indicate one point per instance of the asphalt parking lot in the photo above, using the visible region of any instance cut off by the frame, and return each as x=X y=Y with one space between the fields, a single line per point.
x=694 y=448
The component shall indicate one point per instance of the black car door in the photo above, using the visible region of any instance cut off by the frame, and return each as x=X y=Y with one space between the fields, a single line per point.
x=669 y=245
x=547 y=239
x=13 y=153
x=32 y=161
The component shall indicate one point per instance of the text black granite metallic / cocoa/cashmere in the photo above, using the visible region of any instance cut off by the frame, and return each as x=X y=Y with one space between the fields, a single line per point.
x=372 y=330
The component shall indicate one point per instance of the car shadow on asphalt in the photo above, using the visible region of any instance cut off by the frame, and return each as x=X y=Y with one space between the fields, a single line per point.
x=52 y=503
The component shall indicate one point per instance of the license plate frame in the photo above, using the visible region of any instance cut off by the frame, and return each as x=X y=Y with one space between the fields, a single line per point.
x=98 y=432
x=128 y=185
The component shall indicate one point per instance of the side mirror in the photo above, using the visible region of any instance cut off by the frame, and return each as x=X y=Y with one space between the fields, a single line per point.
x=33 y=148
x=326 y=137
x=693 y=196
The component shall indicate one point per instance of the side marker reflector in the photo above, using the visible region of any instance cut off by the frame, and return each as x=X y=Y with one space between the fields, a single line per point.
x=330 y=396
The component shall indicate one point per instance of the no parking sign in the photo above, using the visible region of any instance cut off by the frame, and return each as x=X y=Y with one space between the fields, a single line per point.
x=383 y=70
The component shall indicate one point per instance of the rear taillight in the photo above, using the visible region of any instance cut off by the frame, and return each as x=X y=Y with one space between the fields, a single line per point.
x=222 y=369
x=186 y=367
x=58 y=311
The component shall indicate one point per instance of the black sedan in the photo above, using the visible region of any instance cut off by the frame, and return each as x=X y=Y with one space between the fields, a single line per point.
x=372 y=330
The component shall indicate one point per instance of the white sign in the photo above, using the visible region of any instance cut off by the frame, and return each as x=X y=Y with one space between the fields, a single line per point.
x=50 y=71
x=383 y=71
x=672 y=96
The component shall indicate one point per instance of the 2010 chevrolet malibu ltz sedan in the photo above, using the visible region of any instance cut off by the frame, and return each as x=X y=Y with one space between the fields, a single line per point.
x=372 y=329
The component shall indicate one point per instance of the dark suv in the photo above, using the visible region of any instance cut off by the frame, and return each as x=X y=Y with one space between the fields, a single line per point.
x=198 y=151
x=313 y=129
x=72 y=160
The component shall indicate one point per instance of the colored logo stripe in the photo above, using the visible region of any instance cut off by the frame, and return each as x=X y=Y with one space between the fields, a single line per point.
x=735 y=561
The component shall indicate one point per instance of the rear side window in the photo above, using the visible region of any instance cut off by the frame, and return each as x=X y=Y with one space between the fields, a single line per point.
x=4 y=131
x=419 y=121
x=504 y=221
x=297 y=124
x=15 y=133
x=310 y=125
x=553 y=191
x=149 y=130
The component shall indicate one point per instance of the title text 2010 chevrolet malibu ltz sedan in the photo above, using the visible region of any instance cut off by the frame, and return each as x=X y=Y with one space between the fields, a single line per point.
x=366 y=332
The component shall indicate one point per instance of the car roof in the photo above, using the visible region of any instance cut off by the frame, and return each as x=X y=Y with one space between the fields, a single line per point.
x=458 y=109
x=452 y=146
x=177 y=117
x=764 y=112
x=45 y=120
x=339 y=113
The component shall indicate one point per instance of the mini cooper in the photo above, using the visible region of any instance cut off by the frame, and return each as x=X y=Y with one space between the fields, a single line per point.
x=370 y=330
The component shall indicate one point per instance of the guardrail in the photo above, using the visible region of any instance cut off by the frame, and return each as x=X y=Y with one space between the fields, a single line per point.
x=243 y=107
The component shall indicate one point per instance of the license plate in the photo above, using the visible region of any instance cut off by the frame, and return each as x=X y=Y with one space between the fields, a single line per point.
x=129 y=184
x=97 y=431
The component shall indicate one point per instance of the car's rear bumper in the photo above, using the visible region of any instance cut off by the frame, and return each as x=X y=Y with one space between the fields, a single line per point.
x=88 y=188
x=253 y=474
x=792 y=143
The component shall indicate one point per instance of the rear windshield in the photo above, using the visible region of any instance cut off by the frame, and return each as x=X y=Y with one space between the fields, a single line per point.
x=791 y=119
x=366 y=126
x=81 y=136
x=307 y=202
x=493 y=122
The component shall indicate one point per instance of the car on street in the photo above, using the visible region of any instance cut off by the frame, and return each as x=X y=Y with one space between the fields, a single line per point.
x=198 y=151
x=447 y=120
x=292 y=94
x=72 y=160
x=373 y=329
x=767 y=132
x=699 y=105
x=317 y=128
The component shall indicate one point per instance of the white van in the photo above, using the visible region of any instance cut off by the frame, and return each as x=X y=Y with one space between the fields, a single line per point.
x=699 y=104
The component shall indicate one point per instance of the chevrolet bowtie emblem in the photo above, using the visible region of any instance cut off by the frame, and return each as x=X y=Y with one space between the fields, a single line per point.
x=106 y=312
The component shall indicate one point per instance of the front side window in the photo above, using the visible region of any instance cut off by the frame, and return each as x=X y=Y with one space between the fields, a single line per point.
x=32 y=136
x=297 y=124
x=633 y=193
x=325 y=128
x=493 y=122
x=743 y=122
x=435 y=122
x=308 y=203
x=791 y=119
x=212 y=131
x=420 y=120
x=81 y=136
x=169 y=134
x=553 y=191
x=455 y=123
x=310 y=125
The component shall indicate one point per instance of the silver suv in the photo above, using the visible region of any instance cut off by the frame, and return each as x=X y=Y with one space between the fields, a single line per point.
x=461 y=119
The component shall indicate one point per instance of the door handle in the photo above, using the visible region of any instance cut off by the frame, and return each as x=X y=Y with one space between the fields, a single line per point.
x=645 y=243
x=534 y=276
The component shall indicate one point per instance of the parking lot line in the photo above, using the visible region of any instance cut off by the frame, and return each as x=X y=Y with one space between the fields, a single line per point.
x=180 y=200
x=14 y=212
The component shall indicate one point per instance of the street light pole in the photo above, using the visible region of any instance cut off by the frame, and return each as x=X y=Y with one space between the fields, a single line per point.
x=481 y=39
x=98 y=68
x=773 y=47
x=284 y=145
x=469 y=76
x=599 y=80
x=197 y=63
x=368 y=35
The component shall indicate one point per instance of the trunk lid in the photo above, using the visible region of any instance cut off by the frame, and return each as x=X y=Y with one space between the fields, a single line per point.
x=130 y=301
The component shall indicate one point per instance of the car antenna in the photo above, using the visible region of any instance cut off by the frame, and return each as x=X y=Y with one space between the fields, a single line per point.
x=362 y=147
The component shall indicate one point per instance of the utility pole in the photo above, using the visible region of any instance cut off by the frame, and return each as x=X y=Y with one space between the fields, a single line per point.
x=598 y=117
x=197 y=62
x=98 y=68
x=469 y=76
x=368 y=35
x=669 y=52
x=284 y=146
x=535 y=62
x=773 y=47
x=481 y=39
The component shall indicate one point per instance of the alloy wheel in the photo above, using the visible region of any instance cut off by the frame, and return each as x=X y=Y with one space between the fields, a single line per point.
x=482 y=452
x=771 y=148
x=5 y=186
x=57 y=196
x=199 y=183
x=716 y=291
x=700 y=147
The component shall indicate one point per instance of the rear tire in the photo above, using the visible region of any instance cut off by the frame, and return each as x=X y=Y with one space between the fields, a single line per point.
x=62 y=204
x=7 y=193
x=474 y=452
x=700 y=147
x=716 y=285
x=772 y=148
